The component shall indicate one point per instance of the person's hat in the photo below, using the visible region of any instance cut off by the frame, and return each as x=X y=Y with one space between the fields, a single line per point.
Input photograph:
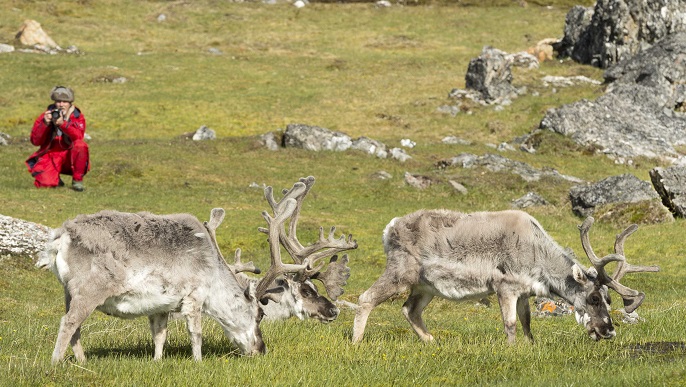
x=61 y=93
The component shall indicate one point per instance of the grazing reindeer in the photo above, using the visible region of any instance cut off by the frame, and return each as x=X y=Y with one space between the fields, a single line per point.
x=468 y=256
x=131 y=265
x=302 y=290
x=301 y=297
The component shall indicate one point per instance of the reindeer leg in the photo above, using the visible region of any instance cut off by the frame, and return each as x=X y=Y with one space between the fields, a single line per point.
x=508 y=310
x=80 y=307
x=158 y=327
x=383 y=289
x=75 y=341
x=192 y=310
x=524 y=314
x=412 y=310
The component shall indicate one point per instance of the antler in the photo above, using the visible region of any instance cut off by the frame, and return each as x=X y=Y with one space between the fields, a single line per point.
x=624 y=267
x=239 y=266
x=281 y=212
x=216 y=218
x=334 y=278
x=632 y=298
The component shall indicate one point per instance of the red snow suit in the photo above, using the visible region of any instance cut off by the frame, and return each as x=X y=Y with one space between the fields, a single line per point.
x=62 y=150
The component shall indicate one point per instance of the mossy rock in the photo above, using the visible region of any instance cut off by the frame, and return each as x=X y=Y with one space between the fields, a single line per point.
x=643 y=212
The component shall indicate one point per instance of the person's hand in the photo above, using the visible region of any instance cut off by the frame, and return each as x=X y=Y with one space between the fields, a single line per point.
x=47 y=117
x=60 y=120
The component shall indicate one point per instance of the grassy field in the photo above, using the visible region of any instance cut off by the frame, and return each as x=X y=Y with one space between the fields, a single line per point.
x=358 y=69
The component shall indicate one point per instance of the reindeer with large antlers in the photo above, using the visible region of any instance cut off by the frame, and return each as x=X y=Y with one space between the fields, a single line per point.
x=130 y=265
x=461 y=256
x=301 y=297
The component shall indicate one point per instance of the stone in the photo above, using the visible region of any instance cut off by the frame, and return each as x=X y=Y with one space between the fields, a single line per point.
x=31 y=34
x=270 y=141
x=531 y=199
x=407 y=143
x=399 y=154
x=615 y=30
x=625 y=188
x=314 y=138
x=455 y=141
x=381 y=175
x=204 y=133
x=5 y=48
x=639 y=115
x=370 y=146
x=543 y=50
x=418 y=181
x=459 y=188
x=551 y=80
x=670 y=184
x=22 y=238
x=497 y=163
x=448 y=109
x=490 y=74
x=524 y=59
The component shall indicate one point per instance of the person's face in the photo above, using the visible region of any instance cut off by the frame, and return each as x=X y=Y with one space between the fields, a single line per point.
x=63 y=105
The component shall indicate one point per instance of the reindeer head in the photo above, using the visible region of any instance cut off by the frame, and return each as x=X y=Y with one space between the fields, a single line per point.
x=593 y=305
x=248 y=340
x=291 y=285
x=300 y=288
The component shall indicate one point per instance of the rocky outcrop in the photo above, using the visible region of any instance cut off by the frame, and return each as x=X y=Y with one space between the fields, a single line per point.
x=490 y=74
x=531 y=199
x=31 y=38
x=32 y=34
x=641 y=114
x=625 y=188
x=489 y=80
x=615 y=30
x=314 y=138
x=670 y=184
x=317 y=139
x=21 y=238
x=497 y=163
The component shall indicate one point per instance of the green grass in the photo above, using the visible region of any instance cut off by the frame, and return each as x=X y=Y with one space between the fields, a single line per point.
x=381 y=73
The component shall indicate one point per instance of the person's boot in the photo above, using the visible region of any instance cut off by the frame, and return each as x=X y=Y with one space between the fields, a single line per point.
x=77 y=185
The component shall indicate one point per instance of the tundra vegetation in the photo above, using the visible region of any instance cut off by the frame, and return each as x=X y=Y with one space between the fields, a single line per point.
x=366 y=71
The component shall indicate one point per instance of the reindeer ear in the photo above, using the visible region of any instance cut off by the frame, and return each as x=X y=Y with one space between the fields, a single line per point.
x=579 y=275
x=216 y=218
x=592 y=273
x=250 y=291
x=273 y=294
x=335 y=276
x=632 y=303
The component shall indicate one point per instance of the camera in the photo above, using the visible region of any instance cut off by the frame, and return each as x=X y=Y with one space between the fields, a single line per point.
x=55 y=114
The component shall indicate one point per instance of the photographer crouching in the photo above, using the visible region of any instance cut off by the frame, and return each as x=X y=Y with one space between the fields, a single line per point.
x=59 y=133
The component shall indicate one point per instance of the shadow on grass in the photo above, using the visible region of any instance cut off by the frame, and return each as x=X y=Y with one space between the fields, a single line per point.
x=146 y=351
x=670 y=350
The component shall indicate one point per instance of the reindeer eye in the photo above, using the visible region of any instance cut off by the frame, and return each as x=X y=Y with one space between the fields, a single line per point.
x=307 y=291
x=594 y=300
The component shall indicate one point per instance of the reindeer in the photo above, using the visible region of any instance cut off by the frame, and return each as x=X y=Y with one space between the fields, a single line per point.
x=469 y=256
x=300 y=297
x=130 y=265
